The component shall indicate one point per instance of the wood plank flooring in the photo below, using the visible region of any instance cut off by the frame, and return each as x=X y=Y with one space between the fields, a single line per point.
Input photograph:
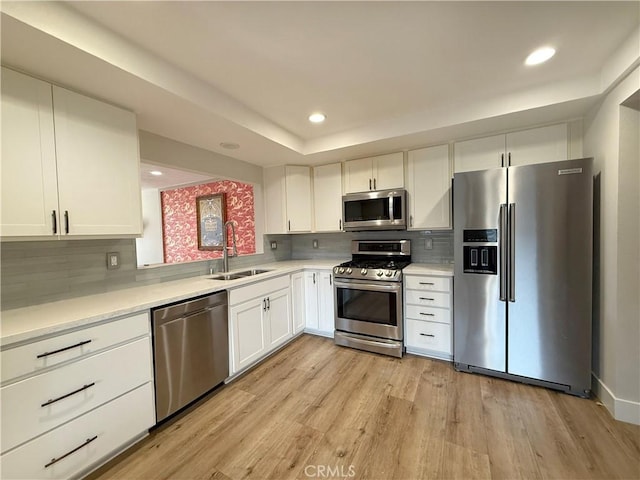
x=315 y=410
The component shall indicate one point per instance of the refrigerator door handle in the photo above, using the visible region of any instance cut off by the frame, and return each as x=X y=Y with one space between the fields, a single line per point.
x=503 y=252
x=512 y=252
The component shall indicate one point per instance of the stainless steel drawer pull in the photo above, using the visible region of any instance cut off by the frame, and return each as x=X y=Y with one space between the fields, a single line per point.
x=49 y=402
x=56 y=460
x=428 y=314
x=427 y=335
x=427 y=283
x=46 y=354
x=425 y=298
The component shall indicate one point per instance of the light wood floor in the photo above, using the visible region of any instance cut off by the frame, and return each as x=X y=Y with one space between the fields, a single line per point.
x=315 y=410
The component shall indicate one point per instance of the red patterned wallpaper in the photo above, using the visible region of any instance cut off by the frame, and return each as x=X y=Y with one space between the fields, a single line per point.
x=179 y=229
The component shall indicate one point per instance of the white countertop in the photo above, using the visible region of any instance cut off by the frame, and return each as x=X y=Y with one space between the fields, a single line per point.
x=429 y=269
x=23 y=324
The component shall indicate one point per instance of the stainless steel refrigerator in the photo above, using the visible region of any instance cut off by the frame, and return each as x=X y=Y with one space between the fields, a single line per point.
x=523 y=271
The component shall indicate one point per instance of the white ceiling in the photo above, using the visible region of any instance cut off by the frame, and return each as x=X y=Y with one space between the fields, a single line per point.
x=169 y=178
x=388 y=75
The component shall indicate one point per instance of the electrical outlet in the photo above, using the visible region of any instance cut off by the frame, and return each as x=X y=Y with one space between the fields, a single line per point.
x=274 y=245
x=113 y=260
x=315 y=243
x=428 y=243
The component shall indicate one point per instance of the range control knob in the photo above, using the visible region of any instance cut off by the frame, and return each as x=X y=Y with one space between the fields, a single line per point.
x=349 y=271
x=335 y=269
x=388 y=273
x=341 y=270
x=364 y=271
x=379 y=273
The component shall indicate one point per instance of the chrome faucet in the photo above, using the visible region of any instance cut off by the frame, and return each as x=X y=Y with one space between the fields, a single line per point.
x=225 y=246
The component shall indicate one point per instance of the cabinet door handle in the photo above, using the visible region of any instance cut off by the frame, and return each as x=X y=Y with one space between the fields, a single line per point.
x=502 y=159
x=369 y=184
x=66 y=221
x=428 y=314
x=289 y=225
x=374 y=183
x=268 y=303
x=340 y=224
x=56 y=460
x=425 y=298
x=427 y=335
x=54 y=400
x=427 y=283
x=54 y=221
x=411 y=220
x=264 y=304
x=46 y=354
x=330 y=281
x=314 y=278
x=509 y=159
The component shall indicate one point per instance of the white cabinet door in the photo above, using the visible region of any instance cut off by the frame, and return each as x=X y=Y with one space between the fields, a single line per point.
x=29 y=184
x=274 y=200
x=388 y=171
x=327 y=198
x=326 y=303
x=358 y=176
x=538 y=145
x=479 y=154
x=298 y=198
x=98 y=166
x=248 y=322
x=429 y=188
x=297 y=302
x=279 y=318
x=311 y=279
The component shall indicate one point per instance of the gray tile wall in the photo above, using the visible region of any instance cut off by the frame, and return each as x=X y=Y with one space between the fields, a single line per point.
x=40 y=272
x=335 y=245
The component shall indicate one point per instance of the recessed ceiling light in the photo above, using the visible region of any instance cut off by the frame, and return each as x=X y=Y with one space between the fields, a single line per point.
x=230 y=145
x=157 y=173
x=317 y=117
x=540 y=55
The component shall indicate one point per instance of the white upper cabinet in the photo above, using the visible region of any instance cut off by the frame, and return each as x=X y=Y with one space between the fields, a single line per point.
x=98 y=166
x=29 y=183
x=70 y=164
x=374 y=173
x=536 y=145
x=327 y=198
x=287 y=194
x=429 y=188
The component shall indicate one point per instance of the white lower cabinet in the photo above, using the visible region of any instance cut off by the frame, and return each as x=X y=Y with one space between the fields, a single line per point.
x=297 y=302
x=76 y=398
x=89 y=440
x=260 y=318
x=319 y=302
x=427 y=307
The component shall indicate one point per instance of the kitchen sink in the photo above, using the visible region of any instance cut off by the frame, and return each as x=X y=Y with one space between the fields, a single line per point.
x=238 y=275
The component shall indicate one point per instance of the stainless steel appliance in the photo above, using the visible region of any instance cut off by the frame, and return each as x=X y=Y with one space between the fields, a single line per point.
x=190 y=350
x=379 y=210
x=523 y=270
x=368 y=289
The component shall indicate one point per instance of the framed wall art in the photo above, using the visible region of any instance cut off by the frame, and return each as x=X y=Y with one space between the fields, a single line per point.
x=211 y=218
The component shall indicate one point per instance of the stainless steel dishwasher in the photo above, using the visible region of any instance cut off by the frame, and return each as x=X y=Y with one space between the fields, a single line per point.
x=190 y=349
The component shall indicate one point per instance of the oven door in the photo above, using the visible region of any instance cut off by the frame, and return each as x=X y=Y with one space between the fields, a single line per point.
x=369 y=308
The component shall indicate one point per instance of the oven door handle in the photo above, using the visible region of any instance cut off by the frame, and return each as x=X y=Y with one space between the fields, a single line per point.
x=357 y=285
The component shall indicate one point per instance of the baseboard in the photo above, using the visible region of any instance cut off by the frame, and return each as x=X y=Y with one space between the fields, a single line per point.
x=621 y=409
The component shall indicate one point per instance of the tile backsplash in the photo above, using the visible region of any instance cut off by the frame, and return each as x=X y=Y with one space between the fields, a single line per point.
x=40 y=272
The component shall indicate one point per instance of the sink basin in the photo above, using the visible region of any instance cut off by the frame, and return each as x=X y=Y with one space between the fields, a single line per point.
x=237 y=275
x=228 y=276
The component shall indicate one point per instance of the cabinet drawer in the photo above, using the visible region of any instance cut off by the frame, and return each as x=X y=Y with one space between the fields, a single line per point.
x=429 y=336
x=440 y=284
x=440 y=315
x=113 y=425
x=36 y=356
x=428 y=299
x=259 y=289
x=74 y=388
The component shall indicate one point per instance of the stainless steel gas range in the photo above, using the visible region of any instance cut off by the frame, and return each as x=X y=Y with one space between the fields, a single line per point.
x=368 y=289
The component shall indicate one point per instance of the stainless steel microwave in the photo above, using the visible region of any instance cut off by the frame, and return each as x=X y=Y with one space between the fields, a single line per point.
x=379 y=210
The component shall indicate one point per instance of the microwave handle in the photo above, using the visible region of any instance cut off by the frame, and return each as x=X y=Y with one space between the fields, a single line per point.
x=391 y=212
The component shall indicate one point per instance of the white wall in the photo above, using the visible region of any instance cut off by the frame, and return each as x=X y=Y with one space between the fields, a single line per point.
x=149 y=248
x=616 y=348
